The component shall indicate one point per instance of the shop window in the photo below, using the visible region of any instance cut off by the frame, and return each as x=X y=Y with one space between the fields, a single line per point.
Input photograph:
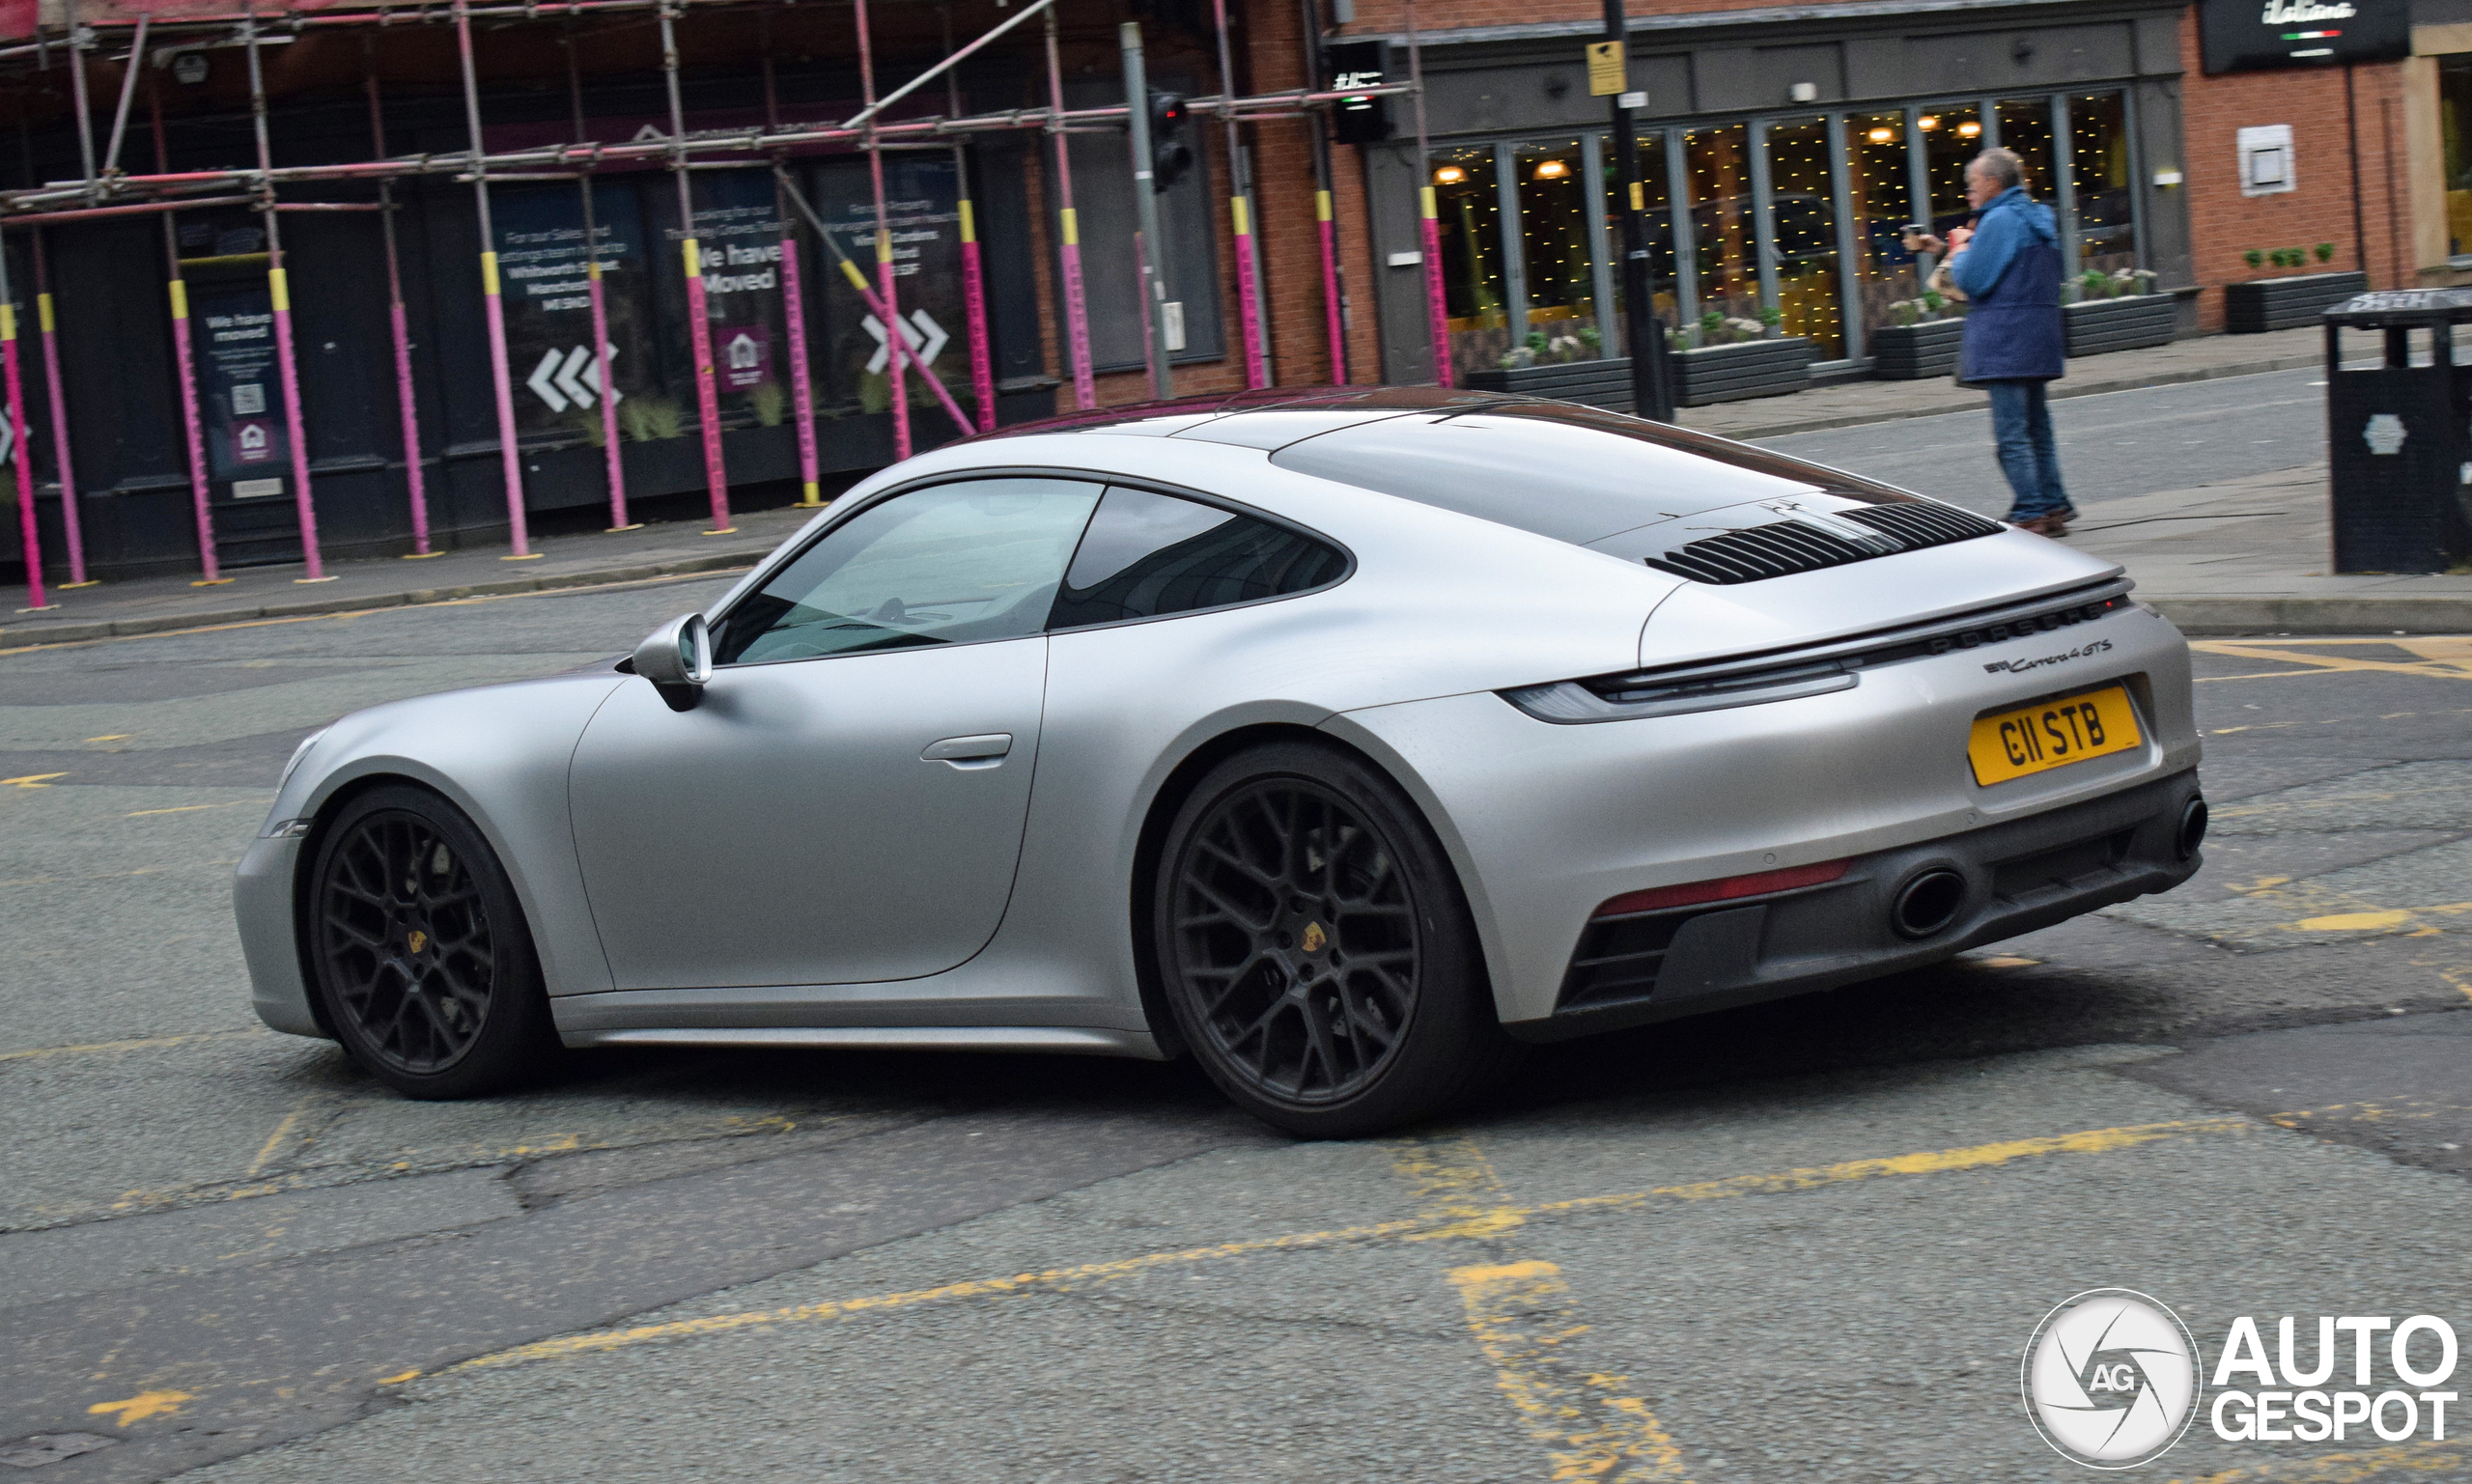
x=1559 y=269
x=1880 y=184
x=2098 y=169
x=2455 y=122
x=1950 y=137
x=1656 y=201
x=847 y=344
x=737 y=231
x=2025 y=132
x=1476 y=296
x=543 y=263
x=1725 y=269
x=1802 y=207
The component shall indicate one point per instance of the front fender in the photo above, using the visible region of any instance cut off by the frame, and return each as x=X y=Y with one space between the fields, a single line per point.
x=500 y=754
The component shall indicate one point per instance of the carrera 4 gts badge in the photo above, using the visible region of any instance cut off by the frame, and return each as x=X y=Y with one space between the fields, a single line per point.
x=2021 y=666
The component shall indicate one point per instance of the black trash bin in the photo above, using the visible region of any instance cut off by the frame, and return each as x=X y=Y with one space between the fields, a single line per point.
x=2399 y=434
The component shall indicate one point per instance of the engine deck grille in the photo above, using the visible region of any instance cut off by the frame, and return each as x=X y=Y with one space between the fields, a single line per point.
x=1799 y=544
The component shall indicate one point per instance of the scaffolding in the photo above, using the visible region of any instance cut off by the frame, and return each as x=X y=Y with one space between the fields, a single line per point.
x=105 y=189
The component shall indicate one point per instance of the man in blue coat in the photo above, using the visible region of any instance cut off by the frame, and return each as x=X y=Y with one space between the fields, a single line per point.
x=2008 y=268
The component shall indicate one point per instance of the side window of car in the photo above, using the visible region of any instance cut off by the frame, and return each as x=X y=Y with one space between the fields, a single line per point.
x=1146 y=555
x=950 y=564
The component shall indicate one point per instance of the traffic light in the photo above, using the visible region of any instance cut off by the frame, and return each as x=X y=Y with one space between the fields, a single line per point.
x=1360 y=120
x=1169 y=155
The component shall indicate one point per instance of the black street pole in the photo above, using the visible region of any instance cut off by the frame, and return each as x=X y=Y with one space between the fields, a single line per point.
x=1651 y=375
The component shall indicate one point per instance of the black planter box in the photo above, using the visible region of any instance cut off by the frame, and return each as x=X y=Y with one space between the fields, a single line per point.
x=1738 y=372
x=1601 y=384
x=1910 y=352
x=2100 y=325
x=2267 y=304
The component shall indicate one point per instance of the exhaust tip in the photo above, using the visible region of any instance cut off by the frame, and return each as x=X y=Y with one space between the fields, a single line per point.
x=2192 y=833
x=1927 y=904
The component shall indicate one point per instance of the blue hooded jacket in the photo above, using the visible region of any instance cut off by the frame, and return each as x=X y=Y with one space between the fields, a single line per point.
x=2011 y=274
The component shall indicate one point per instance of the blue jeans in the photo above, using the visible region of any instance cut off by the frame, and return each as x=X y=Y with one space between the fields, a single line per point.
x=2021 y=427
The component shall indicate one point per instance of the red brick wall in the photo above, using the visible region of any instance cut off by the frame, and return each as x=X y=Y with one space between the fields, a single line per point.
x=2224 y=224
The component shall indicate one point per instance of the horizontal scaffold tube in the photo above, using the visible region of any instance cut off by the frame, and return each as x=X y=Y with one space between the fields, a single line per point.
x=648 y=152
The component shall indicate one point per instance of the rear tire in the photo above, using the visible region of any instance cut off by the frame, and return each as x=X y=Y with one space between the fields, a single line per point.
x=420 y=952
x=1316 y=949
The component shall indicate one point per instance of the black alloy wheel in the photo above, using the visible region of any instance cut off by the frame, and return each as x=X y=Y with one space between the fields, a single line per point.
x=423 y=961
x=1315 y=946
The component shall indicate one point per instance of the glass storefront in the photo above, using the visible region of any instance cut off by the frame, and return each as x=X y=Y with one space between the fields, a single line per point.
x=2098 y=168
x=1476 y=293
x=1880 y=179
x=1557 y=255
x=2454 y=124
x=1802 y=208
x=1782 y=225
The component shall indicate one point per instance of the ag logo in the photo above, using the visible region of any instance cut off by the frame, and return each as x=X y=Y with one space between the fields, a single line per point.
x=2111 y=1379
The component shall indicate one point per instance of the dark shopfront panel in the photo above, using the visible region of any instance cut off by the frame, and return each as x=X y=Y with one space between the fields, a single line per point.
x=112 y=307
x=1788 y=213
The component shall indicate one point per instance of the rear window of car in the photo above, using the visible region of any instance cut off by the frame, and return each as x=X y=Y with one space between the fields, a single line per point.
x=1571 y=473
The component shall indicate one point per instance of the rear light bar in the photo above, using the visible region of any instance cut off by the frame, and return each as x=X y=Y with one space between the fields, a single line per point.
x=1724 y=889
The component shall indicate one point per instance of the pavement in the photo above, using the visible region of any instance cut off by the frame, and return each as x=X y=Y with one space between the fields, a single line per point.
x=2213 y=557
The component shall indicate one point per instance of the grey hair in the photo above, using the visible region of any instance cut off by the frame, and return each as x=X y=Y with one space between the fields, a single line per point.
x=2002 y=167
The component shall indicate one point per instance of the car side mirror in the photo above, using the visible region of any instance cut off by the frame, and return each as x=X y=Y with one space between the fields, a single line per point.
x=677 y=658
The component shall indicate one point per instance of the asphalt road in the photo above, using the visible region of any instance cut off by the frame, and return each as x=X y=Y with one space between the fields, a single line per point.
x=1804 y=1242
x=2110 y=445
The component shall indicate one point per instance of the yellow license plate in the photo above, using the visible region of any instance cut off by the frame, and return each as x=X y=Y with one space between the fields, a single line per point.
x=2052 y=733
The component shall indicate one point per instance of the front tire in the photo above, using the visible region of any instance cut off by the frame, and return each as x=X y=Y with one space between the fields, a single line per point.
x=420 y=952
x=1316 y=950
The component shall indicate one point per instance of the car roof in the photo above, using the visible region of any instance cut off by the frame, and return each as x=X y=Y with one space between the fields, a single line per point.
x=1578 y=473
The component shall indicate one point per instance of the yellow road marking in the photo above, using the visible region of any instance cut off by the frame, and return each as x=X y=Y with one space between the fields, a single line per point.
x=144 y=1404
x=31 y=781
x=2343 y=1467
x=1930 y=1162
x=2445 y=658
x=397 y=1381
x=274 y=1141
x=1054 y=1279
x=241 y=803
x=146 y=1043
x=2353 y=922
x=113 y=737
x=1522 y=1315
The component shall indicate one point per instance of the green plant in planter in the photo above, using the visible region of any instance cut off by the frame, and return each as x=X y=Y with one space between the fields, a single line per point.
x=2255 y=258
x=1536 y=341
x=2325 y=252
x=651 y=419
x=1592 y=337
x=1906 y=313
x=1770 y=318
x=2095 y=283
x=770 y=402
x=587 y=423
x=1934 y=303
x=1712 y=327
x=874 y=392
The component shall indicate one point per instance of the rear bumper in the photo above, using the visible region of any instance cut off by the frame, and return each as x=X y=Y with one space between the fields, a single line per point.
x=2019 y=875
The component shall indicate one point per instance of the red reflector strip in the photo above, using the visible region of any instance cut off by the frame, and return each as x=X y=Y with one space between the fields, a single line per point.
x=1756 y=885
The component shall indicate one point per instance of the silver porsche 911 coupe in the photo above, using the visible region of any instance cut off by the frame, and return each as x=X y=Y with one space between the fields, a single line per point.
x=1346 y=740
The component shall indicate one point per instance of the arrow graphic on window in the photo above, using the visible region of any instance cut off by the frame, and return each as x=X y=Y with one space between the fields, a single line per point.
x=571 y=378
x=925 y=336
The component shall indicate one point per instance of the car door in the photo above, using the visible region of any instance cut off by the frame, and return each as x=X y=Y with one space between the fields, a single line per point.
x=845 y=803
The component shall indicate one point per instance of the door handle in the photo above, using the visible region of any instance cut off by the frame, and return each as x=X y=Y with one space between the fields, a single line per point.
x=984 y=750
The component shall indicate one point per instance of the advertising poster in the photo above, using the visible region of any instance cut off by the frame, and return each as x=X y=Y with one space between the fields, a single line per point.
x=922 y=200
x=547 y=294
x=737 y=231
x=240 y=385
